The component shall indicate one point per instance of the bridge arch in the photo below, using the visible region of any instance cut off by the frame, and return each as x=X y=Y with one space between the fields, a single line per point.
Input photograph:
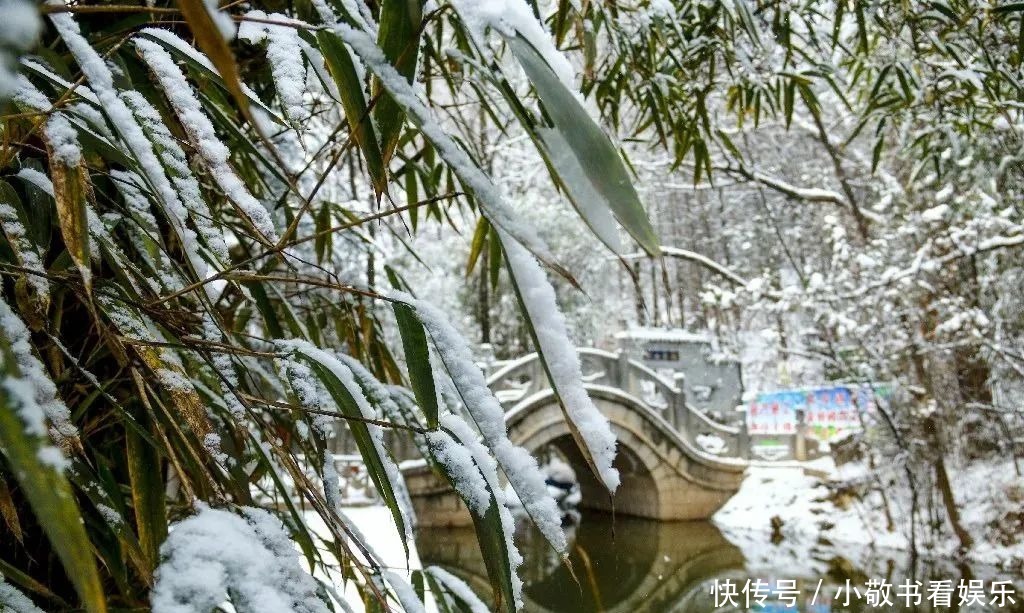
x=663 y=475
x=676 y=463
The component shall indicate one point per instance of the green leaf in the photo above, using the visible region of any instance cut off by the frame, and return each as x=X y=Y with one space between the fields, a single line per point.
x=147 y=489
x=398 y=37
x=476 y=246
x=417 y=356
x=346 y=403
x=350 y=88
x=490 y=535
x=593 y=207
x=594 y=151
x=48 y=492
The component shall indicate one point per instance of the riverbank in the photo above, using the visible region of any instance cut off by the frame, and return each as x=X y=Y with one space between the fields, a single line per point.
x=818 y=503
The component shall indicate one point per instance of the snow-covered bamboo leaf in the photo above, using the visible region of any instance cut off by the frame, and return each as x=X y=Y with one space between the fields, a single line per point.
x=32 y=290
x=169 y=371
x=475 y=478
x=518 y=465
x=398 y=37
x=589 y=428
x=37 y=465
x=340 y=384
x=249 y=556
x=594 y=151
x=456 y=588
x=357 y=112
x=492 y=203
x=201 y=63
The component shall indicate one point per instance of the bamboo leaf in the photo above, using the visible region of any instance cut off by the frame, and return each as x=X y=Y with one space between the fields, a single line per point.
x=417 y=356
x=346 y=403
x=70 y=189
x=47 y=491
x=350 y=88
x=211 y=41
x=477 y=245
x=528 y=317
x=490 y=535
x=147 y=489
x=398 y=38
x=593 y=149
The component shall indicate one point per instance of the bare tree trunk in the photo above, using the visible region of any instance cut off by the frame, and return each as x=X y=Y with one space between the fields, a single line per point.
x=656 y=317
x=638 y=296
x=949 y=502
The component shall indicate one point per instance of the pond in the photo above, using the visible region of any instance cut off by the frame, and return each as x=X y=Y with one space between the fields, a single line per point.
x=636 y=565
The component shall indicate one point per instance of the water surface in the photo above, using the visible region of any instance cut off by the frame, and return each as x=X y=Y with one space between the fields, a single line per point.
x=633 y=565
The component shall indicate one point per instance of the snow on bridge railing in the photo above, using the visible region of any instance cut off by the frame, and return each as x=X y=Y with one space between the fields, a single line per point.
x=520 y=379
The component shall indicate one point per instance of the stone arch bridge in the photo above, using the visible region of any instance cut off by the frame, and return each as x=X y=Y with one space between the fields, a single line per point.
x=675 y=463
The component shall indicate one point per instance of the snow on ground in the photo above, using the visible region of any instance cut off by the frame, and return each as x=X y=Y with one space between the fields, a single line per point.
x=795 y=502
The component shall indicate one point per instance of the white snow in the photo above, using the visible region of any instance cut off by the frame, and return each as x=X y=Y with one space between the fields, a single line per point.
x=458 y=464
x=38 y=179
x=117 y=107
x=201 y=133
x=25 y=249
x=13 y=601
x=251 y=555
x=511 y=17
x=457 y=587
x=936 y=213
x=221 y=19
x=18 y=31
x=799 y=495
x=33 y=392
x=284 y=54
x=489 y=469
x=404 y=592
x=561 y=359
x=63 y=140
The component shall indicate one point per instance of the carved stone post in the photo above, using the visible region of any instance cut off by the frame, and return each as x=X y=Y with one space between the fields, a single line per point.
x=680 y=413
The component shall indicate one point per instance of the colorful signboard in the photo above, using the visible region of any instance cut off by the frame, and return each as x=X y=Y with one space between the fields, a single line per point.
x=828 y=412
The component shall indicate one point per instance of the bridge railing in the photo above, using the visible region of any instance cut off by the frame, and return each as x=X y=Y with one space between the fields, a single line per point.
x=524 y=377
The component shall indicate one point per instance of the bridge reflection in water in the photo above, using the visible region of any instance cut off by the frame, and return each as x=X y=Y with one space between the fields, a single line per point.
x=631 y=565
x=635 y=565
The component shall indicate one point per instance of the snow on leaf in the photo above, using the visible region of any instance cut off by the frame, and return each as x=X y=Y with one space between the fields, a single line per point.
x=284 y=54
x=493 y=204
x=404 y=593
x=349 y=397
x=215 y=553
x=458 y=588
x=518 y=465
x=589 y=427
x=123 y=110
x=212 y=151
x=13 y=601
x=40 y=407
